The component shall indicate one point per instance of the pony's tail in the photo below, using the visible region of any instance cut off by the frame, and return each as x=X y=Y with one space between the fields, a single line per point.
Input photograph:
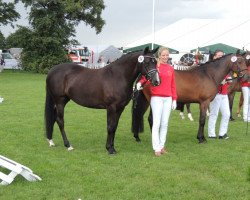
x=139 y=107
x=49 y=115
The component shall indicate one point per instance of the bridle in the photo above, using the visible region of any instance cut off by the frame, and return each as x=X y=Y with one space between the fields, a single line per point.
x=150 y=73
x=236 y=69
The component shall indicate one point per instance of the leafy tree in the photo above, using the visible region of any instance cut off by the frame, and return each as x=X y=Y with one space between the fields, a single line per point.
x=20 y=38
x=53 y=24
x=2 y=41
x=8 y=13
x=7 y=16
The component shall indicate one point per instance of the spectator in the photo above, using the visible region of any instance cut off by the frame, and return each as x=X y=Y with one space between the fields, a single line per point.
x=219 y=103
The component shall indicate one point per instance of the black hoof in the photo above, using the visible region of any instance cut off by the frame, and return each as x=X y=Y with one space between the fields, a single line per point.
x=137 y=139
x=67 y=144
x=202 y=141
x=232 y=119
x=111 y=151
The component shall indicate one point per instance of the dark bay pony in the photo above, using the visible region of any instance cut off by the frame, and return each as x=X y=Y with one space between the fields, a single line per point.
x=197 y=85
x=108 y=88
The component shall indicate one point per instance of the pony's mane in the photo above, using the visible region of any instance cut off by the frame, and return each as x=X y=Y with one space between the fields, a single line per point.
x=124 y=56
x=186 y=68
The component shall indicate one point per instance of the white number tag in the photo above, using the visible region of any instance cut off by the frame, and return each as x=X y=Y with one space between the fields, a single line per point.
x=140 y=59
x=234 y=59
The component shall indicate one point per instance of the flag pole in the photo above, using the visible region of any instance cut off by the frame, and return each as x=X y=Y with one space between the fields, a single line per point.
x=153 y=25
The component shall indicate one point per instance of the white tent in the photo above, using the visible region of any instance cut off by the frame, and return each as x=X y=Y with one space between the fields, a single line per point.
x=187 y=34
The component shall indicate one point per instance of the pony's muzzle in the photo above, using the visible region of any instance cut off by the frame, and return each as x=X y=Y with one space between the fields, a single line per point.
x=156 y=81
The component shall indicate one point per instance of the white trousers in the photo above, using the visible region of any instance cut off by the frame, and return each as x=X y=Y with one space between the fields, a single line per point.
x=221 y=103
x=161 y=109
x=246 y=107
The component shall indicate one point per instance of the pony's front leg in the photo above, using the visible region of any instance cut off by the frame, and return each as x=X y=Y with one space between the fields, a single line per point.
x=113 y=117
x=202 y=120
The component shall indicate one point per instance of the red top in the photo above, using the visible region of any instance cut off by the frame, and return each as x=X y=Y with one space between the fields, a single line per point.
x=167 y=88
x=245 y=83
x=223 y=89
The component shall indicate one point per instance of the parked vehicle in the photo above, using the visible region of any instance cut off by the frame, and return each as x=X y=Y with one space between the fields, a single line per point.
x=9 y=62
x=81 y=55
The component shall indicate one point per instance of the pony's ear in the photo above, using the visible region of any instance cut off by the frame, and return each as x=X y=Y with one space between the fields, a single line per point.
x=238 y=52
x=146 y=50
x=155 y=50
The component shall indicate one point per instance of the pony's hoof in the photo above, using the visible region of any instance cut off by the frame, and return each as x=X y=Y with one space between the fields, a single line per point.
x=138 y=140
x=202 y=141
x=51 y=143
x=70 y=148
x=112 y=152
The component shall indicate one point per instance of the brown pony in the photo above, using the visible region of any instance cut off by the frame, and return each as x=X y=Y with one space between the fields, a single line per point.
x=197 y=85
x=107 y=88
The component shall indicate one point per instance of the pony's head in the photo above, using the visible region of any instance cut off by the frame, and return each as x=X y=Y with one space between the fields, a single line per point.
x=148 y=62
x=246 y=56
x=239 y=67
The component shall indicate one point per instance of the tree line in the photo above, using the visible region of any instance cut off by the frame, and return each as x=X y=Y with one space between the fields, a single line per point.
x=51 y=29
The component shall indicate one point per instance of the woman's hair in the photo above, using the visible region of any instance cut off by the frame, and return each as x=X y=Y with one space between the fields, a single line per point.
x=211 y=55
x=217 y=51
x=161 y=49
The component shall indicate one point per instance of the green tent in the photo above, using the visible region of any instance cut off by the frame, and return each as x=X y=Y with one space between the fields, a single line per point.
x=212 y=48
x=142 y=47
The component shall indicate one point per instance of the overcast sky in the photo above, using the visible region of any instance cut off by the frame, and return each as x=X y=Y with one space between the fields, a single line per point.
x=130 y=20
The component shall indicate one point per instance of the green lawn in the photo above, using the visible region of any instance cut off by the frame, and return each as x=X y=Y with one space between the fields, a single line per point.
x=219 y=169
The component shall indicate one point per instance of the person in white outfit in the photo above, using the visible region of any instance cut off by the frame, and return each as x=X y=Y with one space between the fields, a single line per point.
x=220 y=103
x=163 y=99
x=245 y=86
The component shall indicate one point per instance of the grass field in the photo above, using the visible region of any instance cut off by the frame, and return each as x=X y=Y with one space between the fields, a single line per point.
x=219 y=169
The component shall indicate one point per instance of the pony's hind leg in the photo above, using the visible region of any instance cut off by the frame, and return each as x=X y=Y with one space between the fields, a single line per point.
x=189 y=112
x=50 y=117
x=140 y=106
x=60 y=122
x=240 y=105
x=202 y=120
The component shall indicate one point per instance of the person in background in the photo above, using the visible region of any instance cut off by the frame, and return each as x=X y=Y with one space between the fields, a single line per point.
x=163 y=99
x=219 y=103
x=2 y=63
x=245 y=87
x=1 y=68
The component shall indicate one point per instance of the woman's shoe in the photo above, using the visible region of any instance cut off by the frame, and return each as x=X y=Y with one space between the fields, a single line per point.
x=163 y=151
x=158 y=153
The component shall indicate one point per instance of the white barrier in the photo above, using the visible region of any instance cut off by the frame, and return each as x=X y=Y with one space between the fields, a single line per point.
x=15 y=169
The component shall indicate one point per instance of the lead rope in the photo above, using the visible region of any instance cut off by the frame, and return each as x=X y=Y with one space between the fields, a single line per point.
x=135 y=91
